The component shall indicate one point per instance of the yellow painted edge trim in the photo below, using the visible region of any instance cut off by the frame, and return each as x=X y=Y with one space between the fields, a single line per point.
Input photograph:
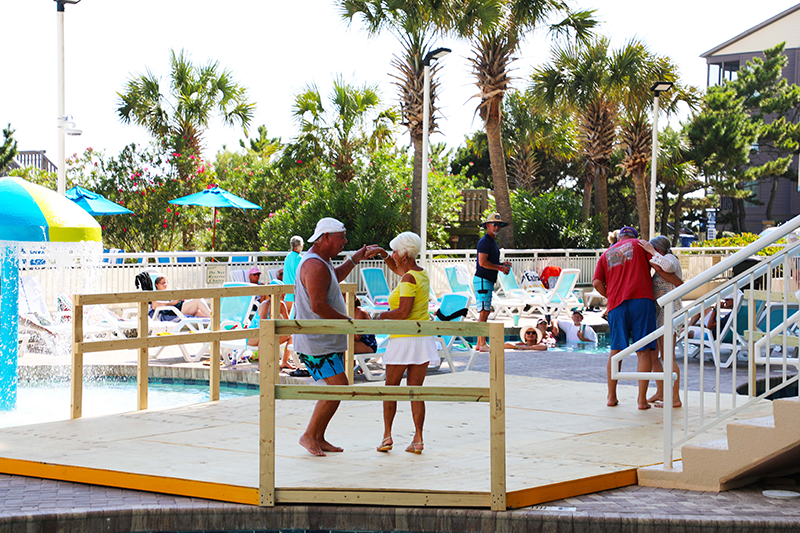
x=567 y=489
x=126 y=480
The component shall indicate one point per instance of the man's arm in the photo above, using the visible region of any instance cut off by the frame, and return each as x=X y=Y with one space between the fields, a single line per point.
x=483 y=262
x=366 y=252
x=600 y=287
x=316 y=278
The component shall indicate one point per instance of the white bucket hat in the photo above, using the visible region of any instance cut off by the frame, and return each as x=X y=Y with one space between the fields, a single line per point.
x=327 y=225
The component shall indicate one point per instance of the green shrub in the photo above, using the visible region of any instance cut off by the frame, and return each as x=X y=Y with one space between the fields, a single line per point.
x=552 y=220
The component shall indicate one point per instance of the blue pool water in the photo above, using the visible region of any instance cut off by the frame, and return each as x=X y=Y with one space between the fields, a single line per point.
x=39 y=402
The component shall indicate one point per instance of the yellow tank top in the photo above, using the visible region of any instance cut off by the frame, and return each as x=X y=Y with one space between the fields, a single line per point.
x=419 y=291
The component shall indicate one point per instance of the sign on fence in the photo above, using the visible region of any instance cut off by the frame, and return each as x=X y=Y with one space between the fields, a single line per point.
x=216 y=274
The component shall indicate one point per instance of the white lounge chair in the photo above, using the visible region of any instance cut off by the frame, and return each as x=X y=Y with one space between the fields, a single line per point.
x=560 y=298
x=449 y=345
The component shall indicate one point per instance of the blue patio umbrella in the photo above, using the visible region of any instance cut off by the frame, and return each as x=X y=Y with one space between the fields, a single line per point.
x=215 y=197
x=95 y=204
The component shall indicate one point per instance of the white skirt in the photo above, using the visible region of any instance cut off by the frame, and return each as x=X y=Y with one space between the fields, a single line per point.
x=411 y=351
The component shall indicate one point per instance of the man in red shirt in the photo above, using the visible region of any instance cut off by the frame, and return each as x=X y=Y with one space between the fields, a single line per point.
x=623 y=276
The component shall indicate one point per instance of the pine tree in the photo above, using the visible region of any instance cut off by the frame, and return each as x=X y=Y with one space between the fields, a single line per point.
x=8 y=150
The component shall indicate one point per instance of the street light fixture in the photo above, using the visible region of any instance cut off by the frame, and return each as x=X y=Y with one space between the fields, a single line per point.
x=62 y=114
x=426 y=113
x=657 y=88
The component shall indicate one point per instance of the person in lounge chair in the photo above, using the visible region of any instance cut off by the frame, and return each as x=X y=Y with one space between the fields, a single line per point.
x=195 y=307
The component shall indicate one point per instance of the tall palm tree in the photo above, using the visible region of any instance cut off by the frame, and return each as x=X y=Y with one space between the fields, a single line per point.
x=341 y=131
x=496 y=36
x=416 y=24
x=602 y=86
x=180 y=115
x=678 y=173
x=636 y=130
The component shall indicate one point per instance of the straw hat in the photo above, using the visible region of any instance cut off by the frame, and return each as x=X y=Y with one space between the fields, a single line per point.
x=524 y=330
x=494 y=218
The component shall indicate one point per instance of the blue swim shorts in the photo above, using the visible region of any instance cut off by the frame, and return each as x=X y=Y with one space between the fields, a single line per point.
x=483 y=293
x=632 y=320
x=323 y=366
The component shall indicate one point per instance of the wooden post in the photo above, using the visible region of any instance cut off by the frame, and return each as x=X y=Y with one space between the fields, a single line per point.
x=274 y=314
x=142 y=371
x=268 y=344
x=77 y=362
x=349 y=356
x=497 y=414
x=216 y=307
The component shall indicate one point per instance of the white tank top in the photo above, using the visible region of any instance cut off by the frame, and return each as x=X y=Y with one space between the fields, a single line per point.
x=317 y=344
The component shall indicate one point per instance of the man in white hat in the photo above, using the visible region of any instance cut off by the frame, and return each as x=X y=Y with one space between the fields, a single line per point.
x=486 y=272
x=318 y=296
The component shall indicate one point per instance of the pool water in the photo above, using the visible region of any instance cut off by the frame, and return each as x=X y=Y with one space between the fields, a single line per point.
x=39 y=402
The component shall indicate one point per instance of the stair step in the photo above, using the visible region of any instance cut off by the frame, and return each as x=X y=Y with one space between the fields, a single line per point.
x=786 y=412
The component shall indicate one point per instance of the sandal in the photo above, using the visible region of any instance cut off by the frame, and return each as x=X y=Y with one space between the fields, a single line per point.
x=415 y=447
x=385 y=446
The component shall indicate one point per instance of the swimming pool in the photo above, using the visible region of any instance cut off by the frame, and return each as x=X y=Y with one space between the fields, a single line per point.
x=49 y=401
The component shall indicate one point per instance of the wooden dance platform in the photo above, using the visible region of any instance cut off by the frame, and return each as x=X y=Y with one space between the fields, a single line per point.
x=561 y=441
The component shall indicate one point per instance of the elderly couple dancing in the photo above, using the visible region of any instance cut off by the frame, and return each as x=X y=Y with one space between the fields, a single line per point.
x=317 y=296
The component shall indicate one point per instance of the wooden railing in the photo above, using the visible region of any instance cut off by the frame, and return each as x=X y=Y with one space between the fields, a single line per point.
x=270 y=391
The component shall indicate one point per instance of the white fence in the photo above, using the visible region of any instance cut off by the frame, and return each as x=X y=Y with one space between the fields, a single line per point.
x=185 y=270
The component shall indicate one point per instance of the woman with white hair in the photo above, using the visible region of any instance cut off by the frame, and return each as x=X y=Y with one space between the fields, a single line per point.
x=667 y=276
x=290 y=265
x=407 y=354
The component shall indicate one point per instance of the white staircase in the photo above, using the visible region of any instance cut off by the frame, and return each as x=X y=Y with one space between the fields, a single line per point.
x=754 y=448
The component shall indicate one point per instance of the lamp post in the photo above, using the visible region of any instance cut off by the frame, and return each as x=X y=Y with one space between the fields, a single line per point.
x=426 y=117
x=62 y=114
x=657 y=88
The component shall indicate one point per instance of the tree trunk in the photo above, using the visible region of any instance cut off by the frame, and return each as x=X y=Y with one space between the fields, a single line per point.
x=505 y=239
x=772 y=197
x=742 y=215
x=416 y=186
x=641 y=205
x=587 y=197
x=601 y=200
x=678 y=212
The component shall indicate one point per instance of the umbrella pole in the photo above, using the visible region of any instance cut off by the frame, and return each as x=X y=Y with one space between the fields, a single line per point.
x=214 y=233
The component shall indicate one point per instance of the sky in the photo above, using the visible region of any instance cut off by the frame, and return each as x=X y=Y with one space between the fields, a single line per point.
x=275 y=48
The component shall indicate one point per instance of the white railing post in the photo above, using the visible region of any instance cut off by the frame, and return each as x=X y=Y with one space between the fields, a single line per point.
x=667 y=343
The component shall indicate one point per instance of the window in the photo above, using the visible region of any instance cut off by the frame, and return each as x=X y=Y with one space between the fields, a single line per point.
x=721 y=72
x=752 y=187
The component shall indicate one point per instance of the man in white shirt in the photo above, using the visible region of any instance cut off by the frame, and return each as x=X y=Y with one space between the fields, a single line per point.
x=575 y=330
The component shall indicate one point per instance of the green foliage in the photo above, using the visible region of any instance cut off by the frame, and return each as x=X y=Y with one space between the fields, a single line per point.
x=39 y=177
x=255 y=179
x=144 y=180
x=375 y=205
x=472 y=159
x=740 y=240
x=262 y=147
x=552 y=220
x=8 y=150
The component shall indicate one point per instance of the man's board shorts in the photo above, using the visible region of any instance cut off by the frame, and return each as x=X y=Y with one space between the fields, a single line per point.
x=483 y=293
x=323 y=366
x=632 y=319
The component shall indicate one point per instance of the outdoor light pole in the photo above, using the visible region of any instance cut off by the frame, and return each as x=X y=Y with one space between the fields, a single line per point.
x=426 y=116
x=62 y=114
x=657 y=88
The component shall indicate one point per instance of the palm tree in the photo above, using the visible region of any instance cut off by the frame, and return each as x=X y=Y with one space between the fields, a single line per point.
x=600 y=85
x=416 y=23
x=678 y=174
x=532 y=133
x=179 y=116
x=636 y=131
x=496 y=35
x=343 y=130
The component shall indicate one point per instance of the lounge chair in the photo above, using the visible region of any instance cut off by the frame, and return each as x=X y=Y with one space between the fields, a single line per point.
x=461 y=283
x=450 y=345
x=560 y=298
x=234 y=314
x=238 y=276
x=377 y=287
x=48 y=332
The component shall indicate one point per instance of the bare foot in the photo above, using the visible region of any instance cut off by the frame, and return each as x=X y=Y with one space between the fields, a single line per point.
x=311 y=446
x=288 y=366
x=655 y=398
x=612 y=402
x=483 y=349
x=643 y=406
x=675 y=404
x=328 y=447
